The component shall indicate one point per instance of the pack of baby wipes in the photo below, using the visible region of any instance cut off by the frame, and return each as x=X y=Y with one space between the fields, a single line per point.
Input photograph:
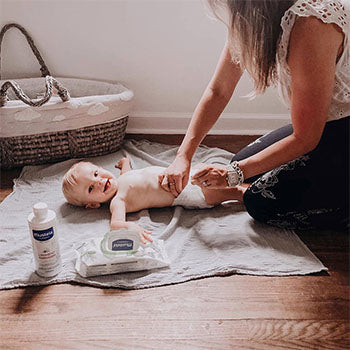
x=117 y=252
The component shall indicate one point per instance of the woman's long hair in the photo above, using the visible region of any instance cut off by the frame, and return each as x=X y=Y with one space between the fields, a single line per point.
x=254 y=32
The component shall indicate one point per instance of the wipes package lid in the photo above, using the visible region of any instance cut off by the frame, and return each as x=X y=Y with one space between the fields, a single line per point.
x=120 y=241
x=95 y=257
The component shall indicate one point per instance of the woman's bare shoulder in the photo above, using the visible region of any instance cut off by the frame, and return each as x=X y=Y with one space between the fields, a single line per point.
x=314 y=28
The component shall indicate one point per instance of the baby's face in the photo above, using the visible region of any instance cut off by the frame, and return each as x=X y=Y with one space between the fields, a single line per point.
x=95 y=185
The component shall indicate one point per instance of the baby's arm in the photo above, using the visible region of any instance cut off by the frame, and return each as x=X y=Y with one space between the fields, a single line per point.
x=118 y=219
x=124 y=165
x=118 y=212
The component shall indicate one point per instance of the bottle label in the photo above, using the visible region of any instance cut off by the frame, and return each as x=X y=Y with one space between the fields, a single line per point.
x=43 y=235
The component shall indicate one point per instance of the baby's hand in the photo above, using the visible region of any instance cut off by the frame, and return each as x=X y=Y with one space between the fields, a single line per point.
x=144 y=234
x=122 y=162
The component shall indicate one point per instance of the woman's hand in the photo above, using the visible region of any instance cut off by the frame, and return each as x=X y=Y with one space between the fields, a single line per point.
x=175 y=178
x=210 y=177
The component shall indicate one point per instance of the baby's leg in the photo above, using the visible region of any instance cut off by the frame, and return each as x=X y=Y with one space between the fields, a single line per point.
x=124 y=165
x=217 y=196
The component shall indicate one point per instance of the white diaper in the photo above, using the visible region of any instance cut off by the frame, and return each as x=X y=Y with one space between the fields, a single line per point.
x=192 y=196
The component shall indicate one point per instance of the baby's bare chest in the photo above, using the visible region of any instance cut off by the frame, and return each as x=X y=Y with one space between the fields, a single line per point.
x=140 y=190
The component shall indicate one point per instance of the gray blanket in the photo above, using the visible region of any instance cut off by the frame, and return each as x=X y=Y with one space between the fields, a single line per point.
x=200 y=243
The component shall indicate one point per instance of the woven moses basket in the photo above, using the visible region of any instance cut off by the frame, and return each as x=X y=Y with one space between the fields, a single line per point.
x=87 y=118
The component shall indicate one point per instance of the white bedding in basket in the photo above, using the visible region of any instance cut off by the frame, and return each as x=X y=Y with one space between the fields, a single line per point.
x=91 y=103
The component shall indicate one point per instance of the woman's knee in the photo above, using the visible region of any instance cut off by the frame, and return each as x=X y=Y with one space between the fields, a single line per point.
x=268 y=213
x=274 y=213
x=257 y=207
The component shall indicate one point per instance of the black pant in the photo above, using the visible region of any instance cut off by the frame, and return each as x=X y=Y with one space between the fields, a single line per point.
x=311 y=191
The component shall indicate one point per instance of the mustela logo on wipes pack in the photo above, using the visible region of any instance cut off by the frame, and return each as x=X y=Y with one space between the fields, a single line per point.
x=120 y=241
x=122 y=244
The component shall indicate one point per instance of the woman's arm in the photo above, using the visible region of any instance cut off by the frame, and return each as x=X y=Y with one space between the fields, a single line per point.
x=313 y=50
x=214 y=100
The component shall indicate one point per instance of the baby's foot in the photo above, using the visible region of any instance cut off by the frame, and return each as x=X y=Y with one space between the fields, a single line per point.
x=123 y=162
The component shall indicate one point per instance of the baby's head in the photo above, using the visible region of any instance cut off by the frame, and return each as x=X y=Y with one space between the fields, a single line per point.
x=86 y=184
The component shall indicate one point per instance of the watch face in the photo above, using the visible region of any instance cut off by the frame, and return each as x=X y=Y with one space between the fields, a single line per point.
x=232 y=178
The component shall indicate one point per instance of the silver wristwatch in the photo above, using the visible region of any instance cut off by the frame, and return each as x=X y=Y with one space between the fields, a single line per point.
x=234 y=175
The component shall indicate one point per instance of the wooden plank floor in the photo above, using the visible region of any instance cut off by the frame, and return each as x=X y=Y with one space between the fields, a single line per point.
x=232 y=312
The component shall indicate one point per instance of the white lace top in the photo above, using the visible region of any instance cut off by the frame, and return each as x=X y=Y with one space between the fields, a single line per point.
x=329 y=11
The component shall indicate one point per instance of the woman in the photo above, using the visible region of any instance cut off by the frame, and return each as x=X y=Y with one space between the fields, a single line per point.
x=297 y=176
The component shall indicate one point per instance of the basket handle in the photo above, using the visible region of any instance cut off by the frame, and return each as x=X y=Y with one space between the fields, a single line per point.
x=44 y=70
x=49 y=81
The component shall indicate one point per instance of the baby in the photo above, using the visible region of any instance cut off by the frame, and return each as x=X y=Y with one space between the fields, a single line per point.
x=89 y=185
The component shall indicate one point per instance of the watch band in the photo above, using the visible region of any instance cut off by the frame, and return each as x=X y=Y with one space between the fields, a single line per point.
x=235 y=175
